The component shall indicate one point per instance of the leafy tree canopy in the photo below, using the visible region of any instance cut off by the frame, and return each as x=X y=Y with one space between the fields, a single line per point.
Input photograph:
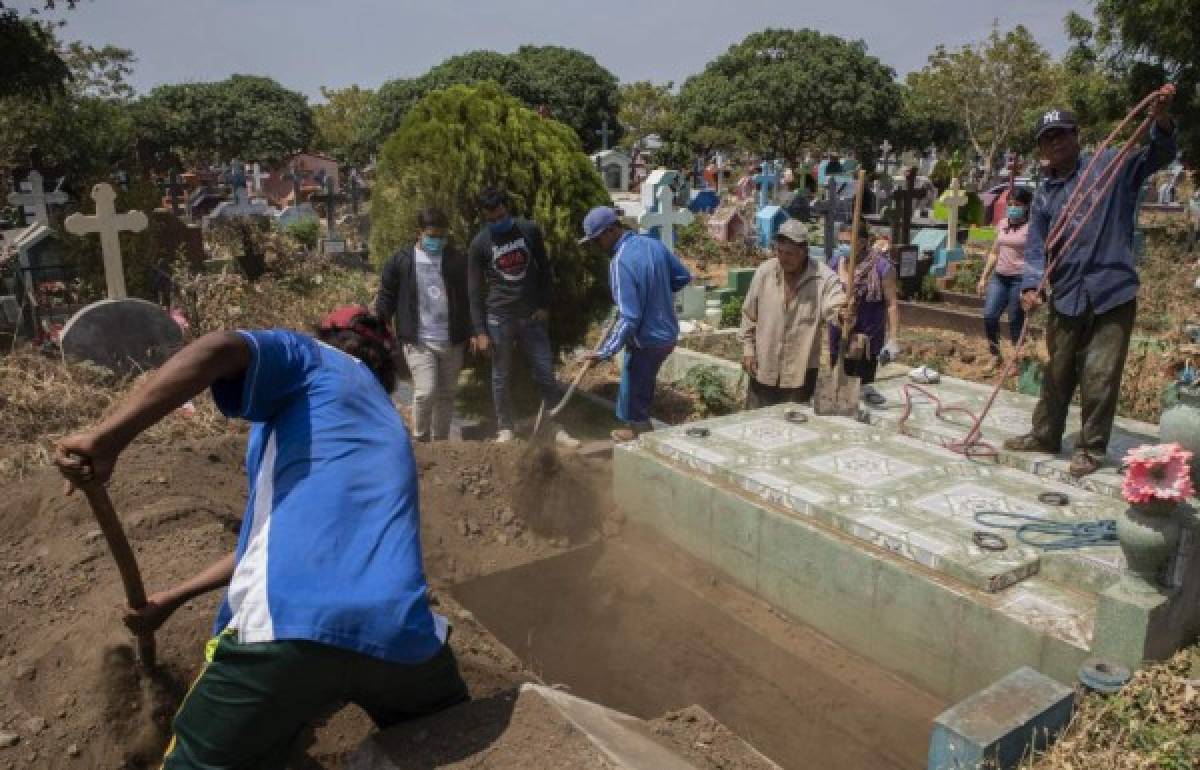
x=245 y=117
x=576 y=89
x=1133 y=48
x=645 y=108
x=456 y=141
x=783 y=89
x=29 y=64
x=338 y=122
x=992 y=89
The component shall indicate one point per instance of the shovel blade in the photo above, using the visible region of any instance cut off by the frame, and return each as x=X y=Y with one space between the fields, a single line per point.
x=837 y=393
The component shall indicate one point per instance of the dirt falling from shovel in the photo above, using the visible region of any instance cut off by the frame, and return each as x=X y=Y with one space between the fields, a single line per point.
x=139 y=704
x=560 y=496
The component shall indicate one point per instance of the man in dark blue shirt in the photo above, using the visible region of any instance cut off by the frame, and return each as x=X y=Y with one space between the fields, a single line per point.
x=1093 y=286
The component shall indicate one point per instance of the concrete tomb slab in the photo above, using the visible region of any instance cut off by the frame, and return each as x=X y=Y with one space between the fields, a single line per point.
x=125 y=335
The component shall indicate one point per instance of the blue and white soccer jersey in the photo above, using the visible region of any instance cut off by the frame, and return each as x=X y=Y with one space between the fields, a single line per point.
x=330 y=548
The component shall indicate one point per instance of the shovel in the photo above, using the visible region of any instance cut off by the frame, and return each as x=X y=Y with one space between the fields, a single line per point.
x=79 y=475
x=537 y=424
x=837 y=393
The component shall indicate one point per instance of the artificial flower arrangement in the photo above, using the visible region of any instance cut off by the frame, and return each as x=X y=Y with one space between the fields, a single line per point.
x=1157 y=473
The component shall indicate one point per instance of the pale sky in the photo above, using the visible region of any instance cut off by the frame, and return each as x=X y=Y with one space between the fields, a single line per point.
x=305 y=44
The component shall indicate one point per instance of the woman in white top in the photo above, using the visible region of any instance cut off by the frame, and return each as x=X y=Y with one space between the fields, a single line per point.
x=1000 y=282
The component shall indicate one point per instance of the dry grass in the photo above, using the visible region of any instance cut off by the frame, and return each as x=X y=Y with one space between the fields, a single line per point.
x=1151 y=724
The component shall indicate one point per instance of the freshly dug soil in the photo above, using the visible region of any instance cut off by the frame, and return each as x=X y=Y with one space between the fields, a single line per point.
x=72 y=693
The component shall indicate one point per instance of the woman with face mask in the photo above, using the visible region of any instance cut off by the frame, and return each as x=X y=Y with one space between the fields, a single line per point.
x=1000 y=282
x=423 y=294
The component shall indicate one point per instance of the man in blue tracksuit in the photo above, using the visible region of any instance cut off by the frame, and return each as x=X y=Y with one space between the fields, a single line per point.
x=643 y=275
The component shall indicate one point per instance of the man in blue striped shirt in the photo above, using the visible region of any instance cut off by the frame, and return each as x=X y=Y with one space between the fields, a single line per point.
x=643 y=276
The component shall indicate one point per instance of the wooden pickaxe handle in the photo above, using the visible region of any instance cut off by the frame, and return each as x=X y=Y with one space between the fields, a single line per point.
x=118 y=544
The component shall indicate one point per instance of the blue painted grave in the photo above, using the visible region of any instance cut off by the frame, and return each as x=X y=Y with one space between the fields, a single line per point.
x=768 y=220
x=704 y=201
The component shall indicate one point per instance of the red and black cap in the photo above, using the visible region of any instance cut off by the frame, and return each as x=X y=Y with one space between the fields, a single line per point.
x=358 y=319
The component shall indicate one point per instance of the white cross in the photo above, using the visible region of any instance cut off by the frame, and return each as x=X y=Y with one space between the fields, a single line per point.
x=666 y=218
x=952 y=199
x=37 y=198
x=257 y=175
x=109 y=224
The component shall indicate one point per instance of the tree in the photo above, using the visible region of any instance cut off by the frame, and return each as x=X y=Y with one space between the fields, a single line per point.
x=454 y=142
x=991 y=89
x=781 y=90
x=338 y=123
x=245 y=117
x=578 y=91
x=1133 y=48
x=645 y=108
x=29 y=64
x=397 y=97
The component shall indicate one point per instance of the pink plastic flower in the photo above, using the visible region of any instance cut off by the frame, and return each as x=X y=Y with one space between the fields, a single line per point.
x=1157 y=472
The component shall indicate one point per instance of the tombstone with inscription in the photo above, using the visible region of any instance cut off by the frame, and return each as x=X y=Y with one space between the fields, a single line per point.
x=124 y=335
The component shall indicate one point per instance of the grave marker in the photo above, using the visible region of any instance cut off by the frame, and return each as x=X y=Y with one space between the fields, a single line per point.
x=295 y=176
x=109 y=225
x=827 y=208
x=121 y=334
x=172 y=187
x=766 y=179
x=332 y=244
x=605 y=133
x=952 y=199
x=257 y=175
x=666 y=217
x=37 y=199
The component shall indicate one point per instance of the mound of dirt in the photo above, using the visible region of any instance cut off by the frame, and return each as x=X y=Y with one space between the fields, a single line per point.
x=70 y=692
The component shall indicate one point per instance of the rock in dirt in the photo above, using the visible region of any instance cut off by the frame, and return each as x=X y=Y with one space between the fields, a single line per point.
x=8 y=740
x=73 y=750
x=25 y=671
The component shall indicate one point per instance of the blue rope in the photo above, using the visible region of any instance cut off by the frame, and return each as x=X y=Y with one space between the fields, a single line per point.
x=1064 y=535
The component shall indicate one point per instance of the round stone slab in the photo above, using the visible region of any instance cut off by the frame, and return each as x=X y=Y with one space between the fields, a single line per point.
x=124 y=335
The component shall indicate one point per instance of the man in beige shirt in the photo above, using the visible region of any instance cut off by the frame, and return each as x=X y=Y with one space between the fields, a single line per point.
x=790 y=298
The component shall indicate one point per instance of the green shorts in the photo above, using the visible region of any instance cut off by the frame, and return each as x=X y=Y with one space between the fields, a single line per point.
x=251 y=701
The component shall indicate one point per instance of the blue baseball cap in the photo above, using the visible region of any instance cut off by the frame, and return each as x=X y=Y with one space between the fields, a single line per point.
x=597 y=221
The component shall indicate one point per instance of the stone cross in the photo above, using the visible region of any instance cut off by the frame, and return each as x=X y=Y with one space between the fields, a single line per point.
x=666 y=218
x=329 y=207
x=605 y=133
x=172 y=187
x=885 y=151
x=952 y=199
x=236 y=176
x=827 y=208
x=37 y=198
x=258 y=175
x=295 y=176
x=903 y=206
x=109 y=224
x=766 y=180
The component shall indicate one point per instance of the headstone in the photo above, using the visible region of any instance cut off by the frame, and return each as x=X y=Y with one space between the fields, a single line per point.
x=124 y=335
x=36 y=200
x=108 y=224
x=615 y=168
x=666 y=218
x=333 y=243
x=659 y=178
x=767 y=220
x=726 y=225
x=240 y=206
x=689 y=302
x=885 y=150
x=257 y=175
x=903 y=197
x=605 y=133
x=952 y=199
x=827 y=208
x=704 y=201
x=767 y=180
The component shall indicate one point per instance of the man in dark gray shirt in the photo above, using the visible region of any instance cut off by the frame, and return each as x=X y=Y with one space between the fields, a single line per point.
x=509 y=284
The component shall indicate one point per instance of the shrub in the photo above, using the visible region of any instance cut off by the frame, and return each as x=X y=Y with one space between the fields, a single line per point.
x=455 y=142
x=305 y=231
x=731 y=311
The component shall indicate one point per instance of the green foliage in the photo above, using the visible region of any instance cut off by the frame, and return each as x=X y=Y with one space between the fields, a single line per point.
x=966 y=276
x=929 y=291
x=337 y=123
x=707 y=385
x=731 y=311
x=783 y=89
x=694 y=241
x=30 y=64
x=578 y=91
x=991 y=89
x=645 y=109
x=305 y=231
x=244 y=117
x=1132 y=49
x=455 y=142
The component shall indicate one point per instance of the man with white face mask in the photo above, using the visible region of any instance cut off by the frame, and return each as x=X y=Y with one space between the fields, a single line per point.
x=423 y=294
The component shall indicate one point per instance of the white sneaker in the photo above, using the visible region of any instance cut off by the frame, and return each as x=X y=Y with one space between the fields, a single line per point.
x=504 y=436
x=566 y=440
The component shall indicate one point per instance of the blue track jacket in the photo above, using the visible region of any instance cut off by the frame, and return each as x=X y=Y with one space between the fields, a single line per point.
x=644 y=275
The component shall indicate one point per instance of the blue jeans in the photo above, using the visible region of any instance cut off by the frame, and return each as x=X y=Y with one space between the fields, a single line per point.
x=1003 y=293
x=638 y=376
x=535 y=342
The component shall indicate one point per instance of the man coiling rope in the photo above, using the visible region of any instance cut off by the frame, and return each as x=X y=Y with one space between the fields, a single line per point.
x=1079 y=256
